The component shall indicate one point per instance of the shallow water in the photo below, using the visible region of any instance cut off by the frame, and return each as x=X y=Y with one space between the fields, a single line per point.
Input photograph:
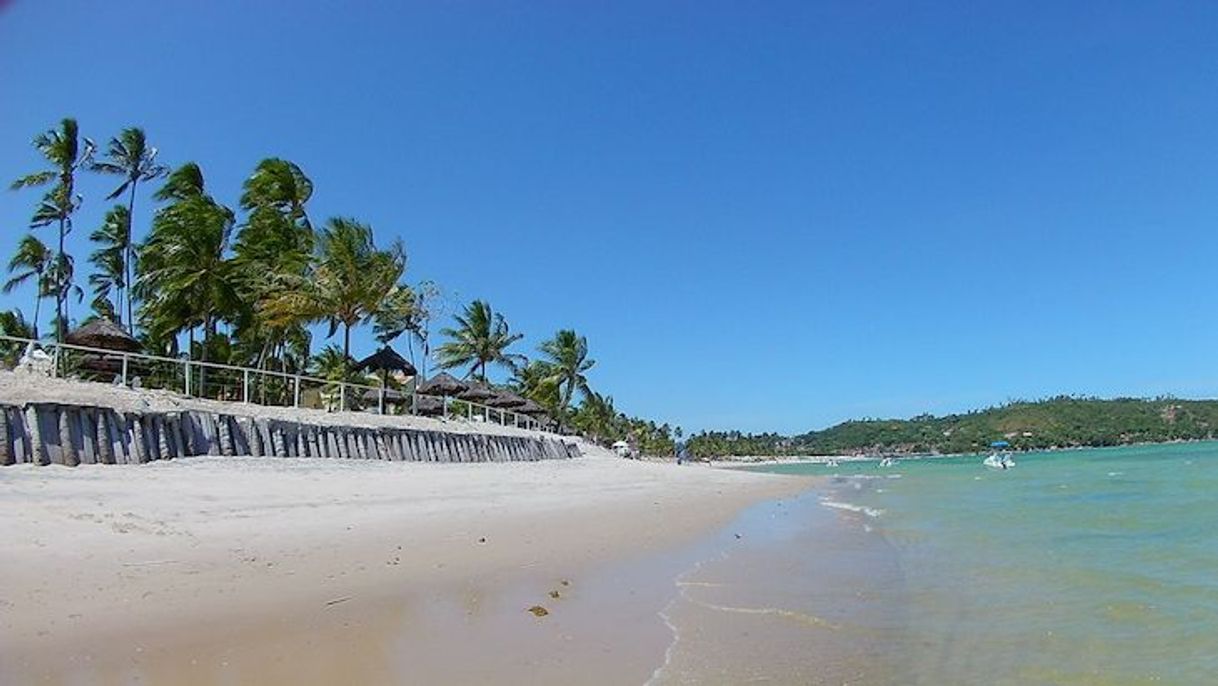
x=1078 y=567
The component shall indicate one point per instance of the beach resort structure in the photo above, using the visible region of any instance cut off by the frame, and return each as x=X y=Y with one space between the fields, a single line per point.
x=94 y=416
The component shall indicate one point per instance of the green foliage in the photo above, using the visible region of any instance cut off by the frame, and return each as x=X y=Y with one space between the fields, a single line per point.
x=129 y=156
x=185 y=279
x=109 y=260
x=62 y=150
x=567 y=360
x=12 y=323
x=346 y=284
x=1060 y=422
x=715 y=444
x=481 y=337
x=32 y=262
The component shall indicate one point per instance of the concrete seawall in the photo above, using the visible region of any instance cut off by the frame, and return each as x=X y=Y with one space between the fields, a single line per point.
x=53 y=433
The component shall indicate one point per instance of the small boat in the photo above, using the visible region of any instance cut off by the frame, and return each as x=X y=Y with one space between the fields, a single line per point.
x=999 y=459
x=831 y=463
x=888 y=462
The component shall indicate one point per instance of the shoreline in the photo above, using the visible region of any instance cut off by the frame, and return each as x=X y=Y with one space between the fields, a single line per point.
x=734 y=461
x=261 y=569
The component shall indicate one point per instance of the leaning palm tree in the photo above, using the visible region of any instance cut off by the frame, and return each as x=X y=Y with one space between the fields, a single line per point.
x=535 y=381
x=64 y=153
x=128 y=155
x=272 y=251
x=110 y=260
x=567 y=355
x=481 y=337
x=32 y=260
x=346 y=286
x=184 y=277
x=396 y=315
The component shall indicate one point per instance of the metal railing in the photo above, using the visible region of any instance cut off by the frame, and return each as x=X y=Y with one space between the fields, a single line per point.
x=216 y=381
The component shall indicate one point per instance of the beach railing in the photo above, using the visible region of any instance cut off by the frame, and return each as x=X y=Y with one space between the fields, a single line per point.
x=223 y=382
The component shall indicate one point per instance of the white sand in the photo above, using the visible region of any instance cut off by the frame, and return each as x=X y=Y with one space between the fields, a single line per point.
x=110 y=571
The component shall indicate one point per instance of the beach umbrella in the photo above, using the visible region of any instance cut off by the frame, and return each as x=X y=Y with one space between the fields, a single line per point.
x=428 y=406
x=442 y=384
x=476 y=392
x=386 y=360
x=105 y=334
x=531 y=408
x=505 y=399
x=391 y=396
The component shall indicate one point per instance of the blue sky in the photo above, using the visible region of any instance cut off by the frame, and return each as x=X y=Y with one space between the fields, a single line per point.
x=767 y=216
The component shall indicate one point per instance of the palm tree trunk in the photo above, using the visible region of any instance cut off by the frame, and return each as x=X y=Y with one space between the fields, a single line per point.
x=37 y=306
x=208 y=325
x=59 y=291
x=346 y=347
x=128 y=255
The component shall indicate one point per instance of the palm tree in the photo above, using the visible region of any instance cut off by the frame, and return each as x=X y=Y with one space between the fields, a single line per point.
x=63 y=152
x=60 y=281
x=32 y=260
x=535 y=381
x=332 y=365
x=567 y=355
x=128 y=155
x=111 y=259
x=396 y=315
x=12 y=323
x=481 y=337
x=598 y=417
x=184 y=277
x=346 y=286
x=272 y=252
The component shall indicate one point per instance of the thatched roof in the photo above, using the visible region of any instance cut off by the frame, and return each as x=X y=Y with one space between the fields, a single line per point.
x=391 y=396
x=476 y=392
x=442 y=384
x=505 y=400
x=427 y=406
x=386 y=359
x=531 y=408
x=105 y=334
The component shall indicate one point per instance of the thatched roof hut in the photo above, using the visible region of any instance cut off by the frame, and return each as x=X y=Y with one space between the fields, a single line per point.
x=442 y=384
x=476 y=392
x=428 y=406
x=506 y=400
x=532 y=409
x=391 y=396
x=386 y=360
x=105 y=334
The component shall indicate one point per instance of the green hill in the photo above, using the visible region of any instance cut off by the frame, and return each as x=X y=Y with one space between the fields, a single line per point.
x=1055 y=423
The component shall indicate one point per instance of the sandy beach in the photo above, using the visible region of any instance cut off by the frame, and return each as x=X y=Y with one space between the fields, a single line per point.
x=248 y=570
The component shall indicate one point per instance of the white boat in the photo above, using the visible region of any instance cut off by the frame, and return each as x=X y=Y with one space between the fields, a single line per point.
x=831 y=463
x=999 y=459
x=888 y=462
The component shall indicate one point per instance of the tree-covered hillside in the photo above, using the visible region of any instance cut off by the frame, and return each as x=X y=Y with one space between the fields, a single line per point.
x=1055 y=423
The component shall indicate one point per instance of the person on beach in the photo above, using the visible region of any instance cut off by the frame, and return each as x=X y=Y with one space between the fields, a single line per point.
x=681 y=452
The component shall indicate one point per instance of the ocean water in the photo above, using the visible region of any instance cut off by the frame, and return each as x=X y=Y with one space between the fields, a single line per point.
x=1076 y=567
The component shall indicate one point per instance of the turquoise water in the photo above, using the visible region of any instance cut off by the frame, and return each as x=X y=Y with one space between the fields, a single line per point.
x=1079 y=567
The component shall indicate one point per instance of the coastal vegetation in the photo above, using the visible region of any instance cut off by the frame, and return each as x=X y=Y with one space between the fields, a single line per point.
x=193 y=278
x=1059 y=422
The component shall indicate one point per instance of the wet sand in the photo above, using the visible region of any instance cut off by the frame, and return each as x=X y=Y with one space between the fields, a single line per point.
x=222 y=570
